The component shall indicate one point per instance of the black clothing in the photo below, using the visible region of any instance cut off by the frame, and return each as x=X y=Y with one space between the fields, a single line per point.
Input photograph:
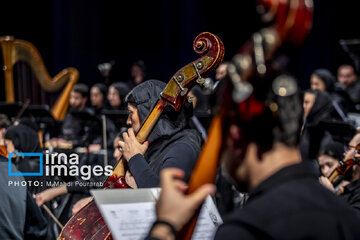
x=353 y=91
x=291 y=204
x=338 y=95
x=122 y=89
x=26 y=140
x=225 y=195
x=13 y=203
x=352 y=194
x=80 y=127
x=314 y=136
x=179 y=154
x=20 y=217
x=327 y=77
x=172 y=143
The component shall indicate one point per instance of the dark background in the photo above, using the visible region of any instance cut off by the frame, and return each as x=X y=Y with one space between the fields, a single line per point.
x=84 y=33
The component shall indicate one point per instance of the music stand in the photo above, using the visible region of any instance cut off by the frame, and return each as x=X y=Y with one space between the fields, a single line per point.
x=41 y=114
x=341 y=131
x=91 y=124
x=10 y=109
x=352 y=48
x=86 y=116
x=118 y=117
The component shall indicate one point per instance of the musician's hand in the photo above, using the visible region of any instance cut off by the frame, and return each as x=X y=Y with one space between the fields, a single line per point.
x=341 y=187
x=94 y=148
x=326 y=183
x=130 y=180
x=130 y=146
x=49 y=194
x=173 y=205
x=62 y=143
x=80 y=204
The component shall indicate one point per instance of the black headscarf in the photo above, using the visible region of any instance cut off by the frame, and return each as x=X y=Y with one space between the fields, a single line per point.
x=321 y=109
x=102 y=88
x=25 y=139
x=122 y=89
x=327 y=77
x=171 y=126
x=333 y=149
x=314 y=135
x=145 y=96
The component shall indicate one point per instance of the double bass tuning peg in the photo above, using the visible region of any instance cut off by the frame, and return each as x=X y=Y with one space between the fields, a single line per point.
x=197 y=66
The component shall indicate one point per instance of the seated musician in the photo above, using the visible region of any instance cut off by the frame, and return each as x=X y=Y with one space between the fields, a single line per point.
x=329 y=159
x=116 y=95
x=117 y=156
x=350 y=192
x=98 y=93
x=73 y=130
x=20 y=218
x=25 y=139
x=171 y=142
x=285 y=199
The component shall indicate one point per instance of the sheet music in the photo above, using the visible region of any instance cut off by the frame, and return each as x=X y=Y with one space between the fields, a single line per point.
x=129 y=221
x=209 y=220
x=132 y=221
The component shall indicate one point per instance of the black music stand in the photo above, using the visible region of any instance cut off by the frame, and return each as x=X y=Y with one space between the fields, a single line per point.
x=91 y=124
x=352 y=48
x=10 y=109
x=41 y=114
x=340 y=131
x=118 y=117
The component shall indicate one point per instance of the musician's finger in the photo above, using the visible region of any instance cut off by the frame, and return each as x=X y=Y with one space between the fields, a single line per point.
x=199 y=195
x=131 y=133
x=181 y=186
x=125 y=136
x=121 y=144
x=169 y=174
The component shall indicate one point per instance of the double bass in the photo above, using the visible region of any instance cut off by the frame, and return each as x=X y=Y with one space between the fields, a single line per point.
x=88 y=222
x=288 y=21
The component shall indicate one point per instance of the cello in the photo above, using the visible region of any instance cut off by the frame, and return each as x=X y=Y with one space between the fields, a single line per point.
x=88 y=222
x=288 y=21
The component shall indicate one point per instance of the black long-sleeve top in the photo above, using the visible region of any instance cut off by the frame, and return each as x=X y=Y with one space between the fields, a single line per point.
x=181 y=155
x=352 y=194
x=291 y=204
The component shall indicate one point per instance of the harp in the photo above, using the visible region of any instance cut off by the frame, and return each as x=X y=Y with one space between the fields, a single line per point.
x=16 y=50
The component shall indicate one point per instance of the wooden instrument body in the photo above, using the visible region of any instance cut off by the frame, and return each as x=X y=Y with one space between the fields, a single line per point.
x=211 y=49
